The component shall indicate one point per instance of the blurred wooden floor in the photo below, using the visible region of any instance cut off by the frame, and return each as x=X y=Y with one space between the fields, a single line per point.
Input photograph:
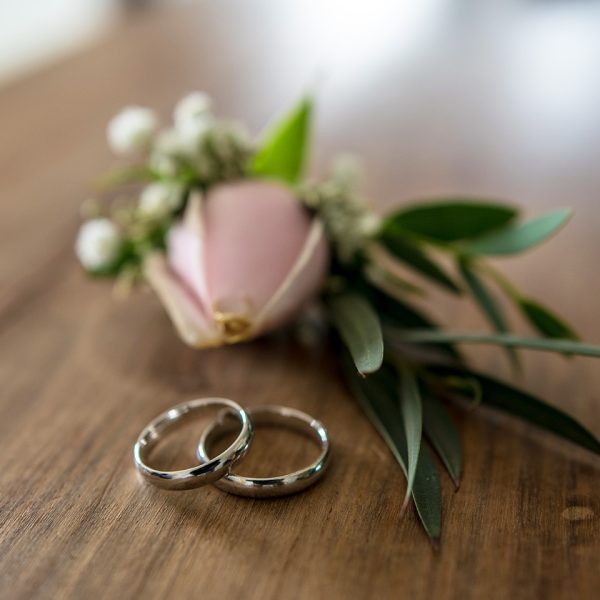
x=500 y=102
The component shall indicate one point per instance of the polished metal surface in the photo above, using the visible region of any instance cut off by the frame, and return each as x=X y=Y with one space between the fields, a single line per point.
x=281 y=485
x=208 y=471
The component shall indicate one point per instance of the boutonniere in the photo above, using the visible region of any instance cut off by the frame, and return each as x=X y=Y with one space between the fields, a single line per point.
x=235 y=242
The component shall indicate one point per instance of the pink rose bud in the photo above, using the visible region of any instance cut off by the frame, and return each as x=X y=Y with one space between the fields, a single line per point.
x=244 y=259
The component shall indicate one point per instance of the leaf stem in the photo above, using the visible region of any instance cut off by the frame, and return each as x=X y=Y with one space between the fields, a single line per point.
x=434 y=336
x=501 y=280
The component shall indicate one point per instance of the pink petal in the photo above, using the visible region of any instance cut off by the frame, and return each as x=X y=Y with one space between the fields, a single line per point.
x=186 y=249
x=192 y=325
x=303 y=281
x=254 y=232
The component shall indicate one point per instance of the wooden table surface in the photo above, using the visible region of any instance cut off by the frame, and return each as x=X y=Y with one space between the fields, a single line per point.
x=469 y=101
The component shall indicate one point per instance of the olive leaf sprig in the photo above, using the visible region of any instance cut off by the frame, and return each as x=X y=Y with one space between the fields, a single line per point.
x=402 y=367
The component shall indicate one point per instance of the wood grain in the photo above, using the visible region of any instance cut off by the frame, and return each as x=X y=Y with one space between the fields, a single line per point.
x=82 y=373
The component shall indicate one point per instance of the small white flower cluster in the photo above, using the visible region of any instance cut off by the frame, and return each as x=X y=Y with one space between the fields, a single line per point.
x=132 y=130
x=196 y=146
x=347 y=218
x=98 y=244
x=196 y=150
x=160 y=199
x=192 y=116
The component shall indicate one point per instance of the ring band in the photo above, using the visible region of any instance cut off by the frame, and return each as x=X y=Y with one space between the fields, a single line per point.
x=258 y=487
x=208 y=471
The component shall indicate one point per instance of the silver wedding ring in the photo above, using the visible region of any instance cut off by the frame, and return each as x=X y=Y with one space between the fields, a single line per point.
x=217 y=469
x=208 y=471
x=281 y=485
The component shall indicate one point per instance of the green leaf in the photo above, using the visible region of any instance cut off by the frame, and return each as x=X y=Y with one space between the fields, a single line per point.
x=359 y=328
x=487 y=304
x=377 y=397
x=522 y=404
x=282 y=154
x=442 y=434
x=410 y=403
x=483 y=297
x=397 y=311
x=391 y=283
x=402 y=314
x=450 y=221
x=436 y=336
x=547 y=323
x=416 y=259
x=466 y=385
x=519 y=237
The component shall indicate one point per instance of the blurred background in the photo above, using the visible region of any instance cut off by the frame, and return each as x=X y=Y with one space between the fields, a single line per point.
x=507 y=81
x=31 y=38
x=488 y=98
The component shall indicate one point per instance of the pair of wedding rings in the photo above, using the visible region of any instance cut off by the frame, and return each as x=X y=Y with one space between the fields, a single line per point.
x=218 y=469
